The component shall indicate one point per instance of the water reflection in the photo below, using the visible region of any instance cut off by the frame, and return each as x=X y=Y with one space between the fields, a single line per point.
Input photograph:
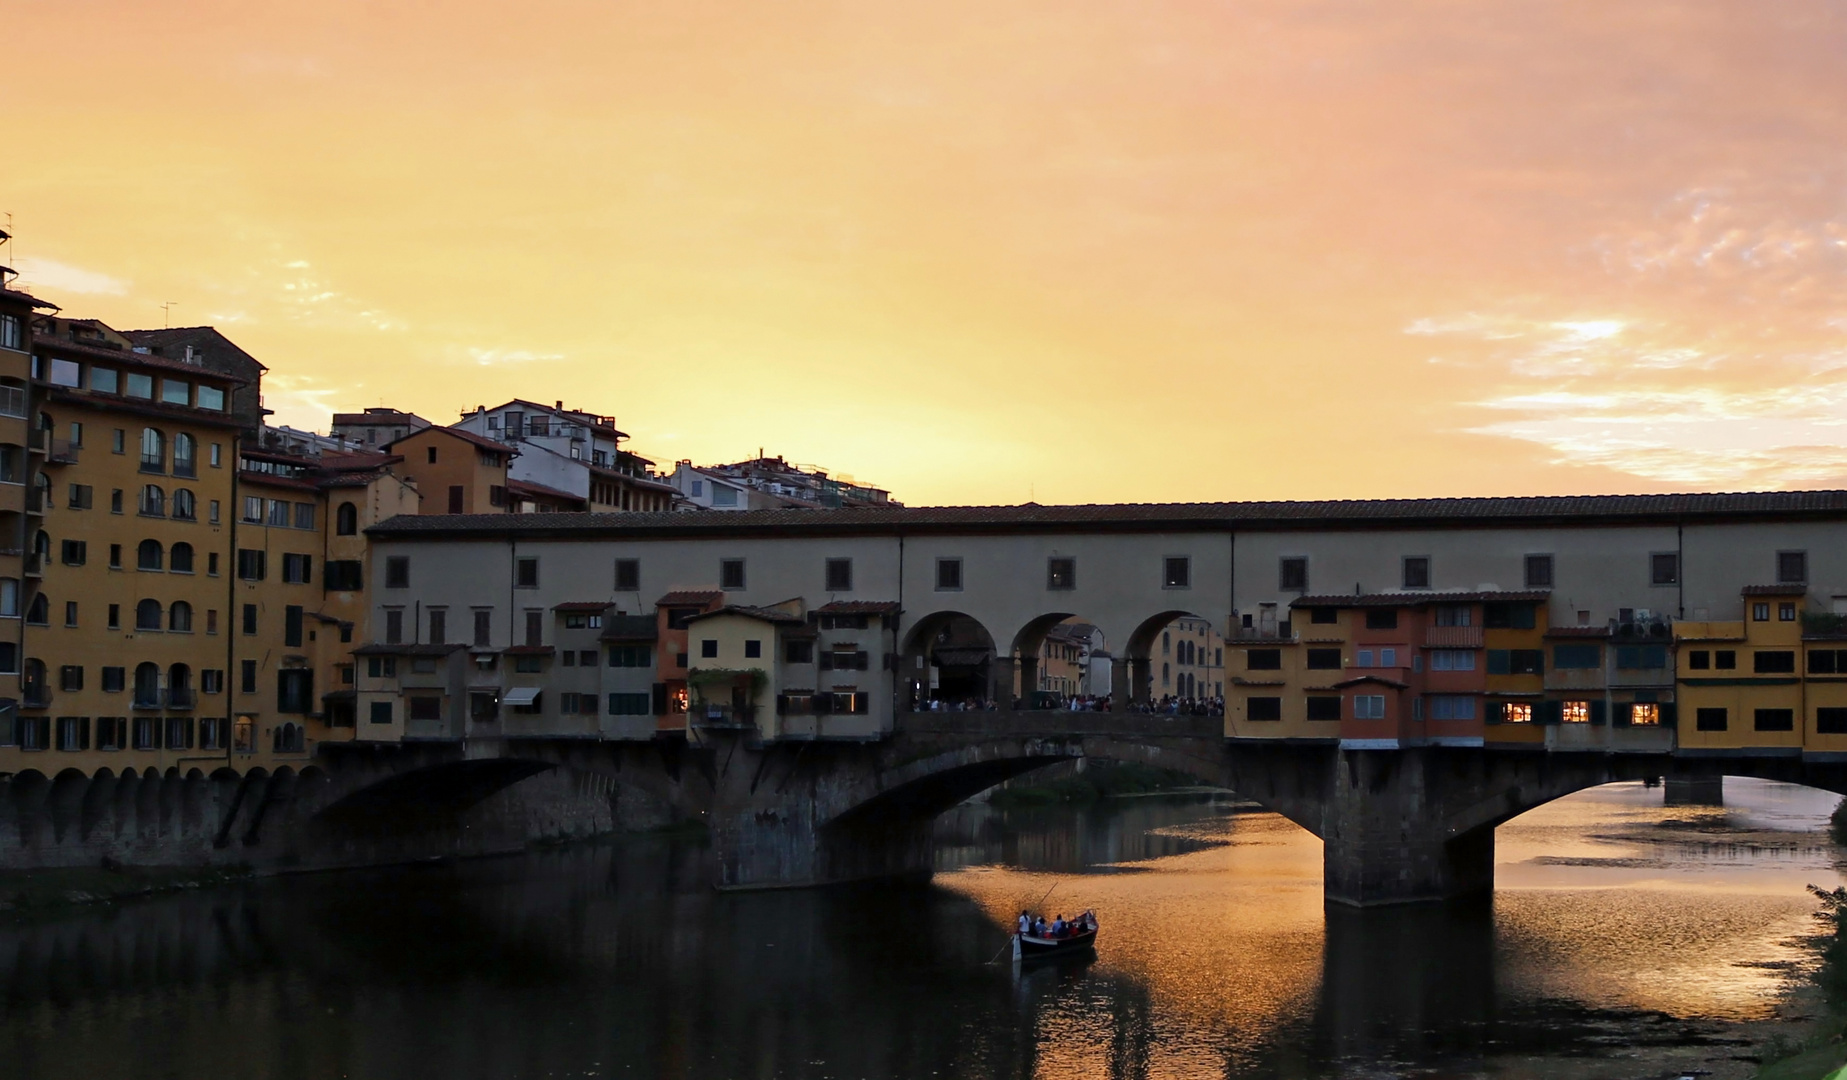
x=1627 y=938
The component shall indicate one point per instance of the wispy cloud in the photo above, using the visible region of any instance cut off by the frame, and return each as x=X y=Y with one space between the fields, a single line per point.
x=51 y=274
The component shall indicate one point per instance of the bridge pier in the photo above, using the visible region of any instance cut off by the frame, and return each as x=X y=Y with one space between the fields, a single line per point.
x=1390 y=833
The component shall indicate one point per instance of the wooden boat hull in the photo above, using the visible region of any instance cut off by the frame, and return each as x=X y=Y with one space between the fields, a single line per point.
x=1028 y=947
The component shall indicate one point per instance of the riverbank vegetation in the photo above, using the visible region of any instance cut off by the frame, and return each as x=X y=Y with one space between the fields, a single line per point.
x=1099 y=781
x=24 y=892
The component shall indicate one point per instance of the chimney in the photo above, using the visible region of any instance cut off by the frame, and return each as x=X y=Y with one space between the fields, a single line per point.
x=559 y=405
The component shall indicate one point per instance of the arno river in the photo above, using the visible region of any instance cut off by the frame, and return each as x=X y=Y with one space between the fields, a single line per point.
x=1625 y=939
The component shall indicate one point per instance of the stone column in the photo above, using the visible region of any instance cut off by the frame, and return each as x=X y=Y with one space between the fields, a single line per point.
x=1000 y=681
x=1121 y=683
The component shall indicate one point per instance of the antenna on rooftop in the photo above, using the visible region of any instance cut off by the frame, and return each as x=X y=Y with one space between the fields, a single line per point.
x=167 y=313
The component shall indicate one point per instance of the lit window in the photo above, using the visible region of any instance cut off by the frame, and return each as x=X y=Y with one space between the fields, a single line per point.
x=1574 y=712
x=1519 y=713
x=1645 y=713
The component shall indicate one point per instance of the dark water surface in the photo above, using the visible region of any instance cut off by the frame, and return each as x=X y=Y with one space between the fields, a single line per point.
x=1625 y=939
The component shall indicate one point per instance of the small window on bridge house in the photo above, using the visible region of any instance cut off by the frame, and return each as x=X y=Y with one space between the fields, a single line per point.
x=1369 y=706
x=1709 y=719
x=1324 y=616
x=1292 y=574
x=1827 y=662
x=800 y=651
x=1382 y=619
x=380 y=712
x=753 y=649
x=1176 y=572
x=840 y=575
x=1773 y=662
x=1701 y=660
x=1569 y=657
x=708 y=649
x=1539 y=571
x=1455 y=615
x=1265 y=708
x=1264 y=659
x=1786 y=612
x=1760 y=612
x=1516 y=712
x=1792 y=567
x=1417 y=572
x=1452 y=707
x=628 y=575
x=1323 y=660
x=1724 y=659
x=1645 y=714
x=731 y=573
x=1574 y=712
x=1061 y=572
x=526 y=573
x=1323 y=707
x=948 y=575
x=1831 y=721
x=1774 y=719
x=1664 y=568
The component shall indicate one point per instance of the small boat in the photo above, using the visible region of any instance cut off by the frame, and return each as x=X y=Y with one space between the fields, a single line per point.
x=1032 y=947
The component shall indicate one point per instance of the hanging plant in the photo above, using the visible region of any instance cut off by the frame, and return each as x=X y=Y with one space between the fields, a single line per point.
x=699 y=679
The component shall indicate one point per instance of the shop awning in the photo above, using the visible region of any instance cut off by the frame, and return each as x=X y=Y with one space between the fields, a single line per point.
x=521 y=695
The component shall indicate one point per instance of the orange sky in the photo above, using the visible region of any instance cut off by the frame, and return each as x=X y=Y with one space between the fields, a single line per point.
x=1074 y=251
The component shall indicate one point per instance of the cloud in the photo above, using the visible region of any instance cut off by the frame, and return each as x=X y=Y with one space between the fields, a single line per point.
x=495 y=357
x=50 y=274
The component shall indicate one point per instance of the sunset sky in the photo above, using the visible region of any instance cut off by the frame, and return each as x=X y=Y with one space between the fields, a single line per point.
x=1144 y=250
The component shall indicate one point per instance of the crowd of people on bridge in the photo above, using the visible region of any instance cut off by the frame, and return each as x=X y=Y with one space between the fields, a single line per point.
x=1166 y=705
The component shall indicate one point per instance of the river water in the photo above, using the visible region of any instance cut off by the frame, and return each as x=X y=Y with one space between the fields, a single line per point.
x=1625 y=939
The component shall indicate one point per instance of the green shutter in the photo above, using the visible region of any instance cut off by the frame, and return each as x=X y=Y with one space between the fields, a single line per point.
x=1499 y=662
x=1670 y=717
x=1497 y=710
x=1624 y=712
x=1599 y=712
x=1546 y=712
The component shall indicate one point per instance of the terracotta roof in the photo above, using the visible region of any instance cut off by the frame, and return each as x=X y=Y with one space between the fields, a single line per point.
x=529 y=650
x=1417 y=599
x=526 y=487
x=51 y=343
x=1538 y=511
x=184 y=414
x=465 y=436
x=27 y=298
x=1382 y=680
x=271 y=480
x=690 y=596
x=859 y=607
x=592 y=606
x=1774 y=590
x=769 y=615
x=185 y=335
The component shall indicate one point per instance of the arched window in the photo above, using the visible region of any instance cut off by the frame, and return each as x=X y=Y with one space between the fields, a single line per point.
x=41 y=545
x=147 y=555
x=287 y=739
x=147 y=615
x=179 y=687
x=179 y=617
x=42 y=483
x=185 y=455
x=39 y=611
x=346 y=519
x=1165 y=675
x=244 y=734
x=1166 y=643
x=153 y=501
x=185 y=505
x=147 y=684
x=179 y=558
x=153 y=450
x=32 y=681
x=44 y=422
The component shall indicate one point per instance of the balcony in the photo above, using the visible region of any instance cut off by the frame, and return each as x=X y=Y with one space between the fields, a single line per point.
x=35 y=501
x=37 y=439
x=62 y=452
x=1453 y=637
x=35 y=565
x=724 y=717
x=181 y=699
x=146 y=699
x=35 y=697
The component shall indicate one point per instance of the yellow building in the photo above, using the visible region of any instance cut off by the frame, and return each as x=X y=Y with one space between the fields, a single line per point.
x=18 y=468
x=735 y=661
x=1741 y=682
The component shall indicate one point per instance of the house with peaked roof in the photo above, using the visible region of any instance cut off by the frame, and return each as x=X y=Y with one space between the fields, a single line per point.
x=574 y=452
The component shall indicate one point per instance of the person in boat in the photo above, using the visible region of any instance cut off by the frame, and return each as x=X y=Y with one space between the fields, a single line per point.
x=1026 y=923
x=1058 y=926
x=1039 y=927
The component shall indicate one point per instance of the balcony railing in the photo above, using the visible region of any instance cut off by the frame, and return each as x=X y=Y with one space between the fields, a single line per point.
x=180 y=698
x=1453 y=637
x=146 y=698
x=723 y=716
x=35 y=697
x=63 y=452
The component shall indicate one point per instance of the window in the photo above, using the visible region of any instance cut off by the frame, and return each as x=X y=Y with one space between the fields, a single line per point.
x=731 y=573
x=455 y=494
x=185 y=455
x=484 y=625
x=75 y=552
x=65 y=373
x=948 y=575
x=1382 y=619
x=1773 y=662
x=535 y=627
x=1417 y=572
x=630 y=704
x=81 y=496
x=1827 y=662
x=118 y=441
x=394 y=626
x=70 y=677
x=38 y=612
x=753 y=650
x=304 y=515
x=211 y=563
x=115 y=616
x=153 y=502
x=1645 y=714
x=528 y=665
x=250 y=618
x=1323 y=707
x=1452 y=660
x=253 y=509
x=1701 y=660
x=1516 y=712
x=1664 y=568
x=397 y=572
x=708 y=649
x=179 y=617
x=840 y=575
x=211 y=681
x=439 y=625
x=1176 y=572
x=1774 y=719
x=526 y=573
x=1574 y=712
x=1323 y=660
x=185 y=505
x=1792 y=567
x=1760 y=612
x=278 y=513
x=148 y=615
x=1786 y=612
x=11 y=334
x=1292 y=574
x=1831 y=721
x=379 y=713
x=1061 y=572
x=1452 y=707
x=175 y=392
x=297 y=569
x=1724 y=659
x=631 y=656
x=1362 y=658
x=346 y=520
x=179 y=560
x=381 y=667
x=1576 y=657
x=1265 y=708
x=1641 y=657
x=153 y=448
x=1369 y=706
x=295 y=690
x=343 y=575
x=798 y=651
x=70 y=613
x=252 y=564
x=112 y=733
x=210 y=397
x=628 y=575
